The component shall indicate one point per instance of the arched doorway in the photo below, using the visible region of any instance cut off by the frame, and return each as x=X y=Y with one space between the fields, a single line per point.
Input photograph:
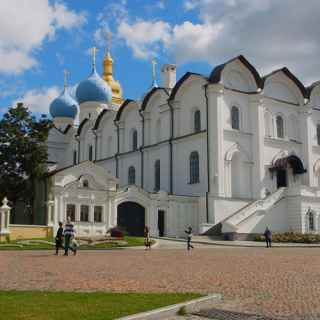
x=131 y=218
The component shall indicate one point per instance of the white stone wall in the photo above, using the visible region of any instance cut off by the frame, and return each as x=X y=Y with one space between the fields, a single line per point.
x=239 y=159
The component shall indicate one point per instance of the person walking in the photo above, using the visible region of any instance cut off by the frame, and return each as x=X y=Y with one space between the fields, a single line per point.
x=189 y=238
x=68 y=236
x=268 y=237
x=147 y=240
x=59 y=238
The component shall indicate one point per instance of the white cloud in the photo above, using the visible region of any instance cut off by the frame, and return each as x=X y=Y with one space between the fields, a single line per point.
x=145 y=37
x=38 y=100
x=270 y=33
x=25 y=25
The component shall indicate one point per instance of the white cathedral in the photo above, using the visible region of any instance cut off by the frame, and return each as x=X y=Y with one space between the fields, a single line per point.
x=227 y=154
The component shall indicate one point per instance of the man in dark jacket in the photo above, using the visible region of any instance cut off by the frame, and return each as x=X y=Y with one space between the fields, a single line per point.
x=189 y=238
x=268 y=237
x=59 y=238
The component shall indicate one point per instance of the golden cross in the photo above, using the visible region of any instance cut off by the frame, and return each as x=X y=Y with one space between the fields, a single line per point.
x=66 y=73
x=94 y=54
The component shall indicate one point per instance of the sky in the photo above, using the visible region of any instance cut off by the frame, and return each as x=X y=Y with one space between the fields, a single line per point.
x=41 y=38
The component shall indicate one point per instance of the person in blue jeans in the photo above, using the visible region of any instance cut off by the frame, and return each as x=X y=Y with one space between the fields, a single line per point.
x=68 y=236
x=268 y=237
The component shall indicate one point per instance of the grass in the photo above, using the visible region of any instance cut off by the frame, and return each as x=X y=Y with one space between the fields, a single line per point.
x=37 y=305
x=131 y=242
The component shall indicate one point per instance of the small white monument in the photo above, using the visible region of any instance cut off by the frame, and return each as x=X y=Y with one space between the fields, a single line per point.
x=4 y=218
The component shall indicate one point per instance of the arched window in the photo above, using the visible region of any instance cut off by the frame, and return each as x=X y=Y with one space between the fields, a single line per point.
x=134 y=140
x=157 y=175
x=74 y=157
x=235 y=118
x=318 y=134
x=194 y=167
x=197 y=121
x=90 y=152
x=131 y=175
x=310 y=221
x=280 y=129
x=158 y=130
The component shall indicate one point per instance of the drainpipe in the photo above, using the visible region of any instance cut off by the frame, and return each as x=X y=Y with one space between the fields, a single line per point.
x=170 y=143
x=208 y=153
x=95 y=144
x=141 y=149
x=118 y=148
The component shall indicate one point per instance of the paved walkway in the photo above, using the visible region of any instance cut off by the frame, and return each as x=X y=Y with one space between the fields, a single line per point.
x=281 y=282
x=205 y=240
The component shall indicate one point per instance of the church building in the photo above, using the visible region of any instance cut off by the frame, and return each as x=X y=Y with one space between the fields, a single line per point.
x=229 y=153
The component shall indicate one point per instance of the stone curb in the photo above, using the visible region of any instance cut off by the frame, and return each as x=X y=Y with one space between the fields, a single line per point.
x=217 y=244
x=169 y=311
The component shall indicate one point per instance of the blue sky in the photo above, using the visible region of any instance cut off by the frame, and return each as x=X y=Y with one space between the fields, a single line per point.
x=40 y=38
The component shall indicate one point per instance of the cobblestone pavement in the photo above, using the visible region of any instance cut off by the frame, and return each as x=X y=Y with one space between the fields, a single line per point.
x=275 y=283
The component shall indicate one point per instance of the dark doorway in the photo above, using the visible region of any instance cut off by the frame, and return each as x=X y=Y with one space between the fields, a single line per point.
x=161 y=224
x=281 y=178
x=131 y=218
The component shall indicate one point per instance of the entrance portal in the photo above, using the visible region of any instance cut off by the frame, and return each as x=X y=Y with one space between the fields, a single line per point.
x=131 y=218
x=161 y=224
x=281 y=178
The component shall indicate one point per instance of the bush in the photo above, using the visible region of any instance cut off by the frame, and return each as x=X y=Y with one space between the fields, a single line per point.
x=116 y=232
x=291 y=236
x=182 y=311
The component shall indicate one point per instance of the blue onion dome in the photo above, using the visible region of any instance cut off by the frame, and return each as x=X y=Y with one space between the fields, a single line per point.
x=94 y=89
x=64 y=106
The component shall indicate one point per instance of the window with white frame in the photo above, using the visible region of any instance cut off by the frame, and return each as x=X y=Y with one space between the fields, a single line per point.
x=194 y=167
x=134 y=142
x=318 y=134
x=157 y=175
x=84 y=213
x=98 y=210
x=90 y=151
x=158 y=130
x=71 y=211
x=197 y=121
x=131 y=175
x=235 y=118
x=280 y=127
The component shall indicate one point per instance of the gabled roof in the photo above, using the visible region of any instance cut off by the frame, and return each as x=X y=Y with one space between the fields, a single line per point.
x=100 y=117
x=215 y=76
x=121 y=109
x=84 y=121
x=311 y=87
x=148 y=96
x=291 y=76
x=178 y=85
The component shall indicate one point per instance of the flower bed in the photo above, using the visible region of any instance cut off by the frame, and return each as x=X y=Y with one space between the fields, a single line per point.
x=294 y=237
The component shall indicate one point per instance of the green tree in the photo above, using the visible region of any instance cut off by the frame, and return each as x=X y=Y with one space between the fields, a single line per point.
x=23 y=153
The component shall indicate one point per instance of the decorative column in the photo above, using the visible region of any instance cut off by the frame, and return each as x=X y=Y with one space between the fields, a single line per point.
x=306 y=139
x=50 y=213
x=216 y=139
x=4 y=218
x=257 y=126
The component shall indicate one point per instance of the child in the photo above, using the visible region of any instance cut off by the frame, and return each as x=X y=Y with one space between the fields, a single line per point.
x=59 y=238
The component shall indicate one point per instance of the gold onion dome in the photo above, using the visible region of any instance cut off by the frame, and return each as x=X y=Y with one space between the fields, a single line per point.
x=108 y=77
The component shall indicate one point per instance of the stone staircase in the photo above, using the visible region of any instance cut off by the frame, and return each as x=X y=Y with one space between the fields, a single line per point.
x=232 y=222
